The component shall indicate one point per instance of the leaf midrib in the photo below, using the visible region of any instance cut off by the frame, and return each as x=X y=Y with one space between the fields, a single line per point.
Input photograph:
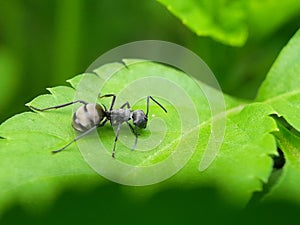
x=205 y=123
x=278 y=97
x=216 y=117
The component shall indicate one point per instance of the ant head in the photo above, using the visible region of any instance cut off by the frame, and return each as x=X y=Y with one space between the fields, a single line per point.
x=139 y=119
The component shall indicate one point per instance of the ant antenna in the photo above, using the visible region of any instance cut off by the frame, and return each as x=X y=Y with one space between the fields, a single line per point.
x=150 y=97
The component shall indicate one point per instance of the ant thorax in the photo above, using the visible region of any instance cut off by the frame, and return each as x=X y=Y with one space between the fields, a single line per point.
x=118 y=116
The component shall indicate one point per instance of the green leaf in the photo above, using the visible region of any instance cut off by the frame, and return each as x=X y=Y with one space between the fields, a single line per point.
x=231 y=22
x=259 y=13
x=29 y=173
x=281 y=91
x=286 y=186
x=243 y=162
x=222 y=20
x=281 y=88
x=28 y=170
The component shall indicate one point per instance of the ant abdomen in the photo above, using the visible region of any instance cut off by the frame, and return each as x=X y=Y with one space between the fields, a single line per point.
x=87 y=116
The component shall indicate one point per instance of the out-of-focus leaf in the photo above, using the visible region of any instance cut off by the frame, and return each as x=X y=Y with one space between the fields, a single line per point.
x=225 y=21
x=230 y=22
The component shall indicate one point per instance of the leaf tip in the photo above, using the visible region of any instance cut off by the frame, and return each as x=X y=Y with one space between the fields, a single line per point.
x=49 y=89
x=28 y=104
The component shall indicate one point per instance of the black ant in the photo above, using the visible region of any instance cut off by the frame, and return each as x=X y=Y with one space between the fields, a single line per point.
x=92 y=115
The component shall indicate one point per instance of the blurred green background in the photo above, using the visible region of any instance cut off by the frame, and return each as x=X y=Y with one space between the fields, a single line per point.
x=43 y=43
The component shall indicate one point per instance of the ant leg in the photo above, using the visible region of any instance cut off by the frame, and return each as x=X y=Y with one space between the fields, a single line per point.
x=116 y=139
x=150 y=97
x=75 y=139
x=58 y=106
x=131 y=127
x=103 y=123
x=147 y=111
x=125 y=104
x=134 y=131
x=112 y=101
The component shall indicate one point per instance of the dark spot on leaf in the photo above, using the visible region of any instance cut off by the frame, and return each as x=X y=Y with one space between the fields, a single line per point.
x=278 y=160
x=278 y=164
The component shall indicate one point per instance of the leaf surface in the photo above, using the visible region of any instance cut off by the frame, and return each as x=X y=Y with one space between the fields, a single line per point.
x=29 y=173
x=281 y=90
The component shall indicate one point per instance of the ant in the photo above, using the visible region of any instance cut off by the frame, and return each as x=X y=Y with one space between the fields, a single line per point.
x=90 y=116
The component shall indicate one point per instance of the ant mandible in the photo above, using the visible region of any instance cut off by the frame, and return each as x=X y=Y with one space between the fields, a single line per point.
x=90 y=116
